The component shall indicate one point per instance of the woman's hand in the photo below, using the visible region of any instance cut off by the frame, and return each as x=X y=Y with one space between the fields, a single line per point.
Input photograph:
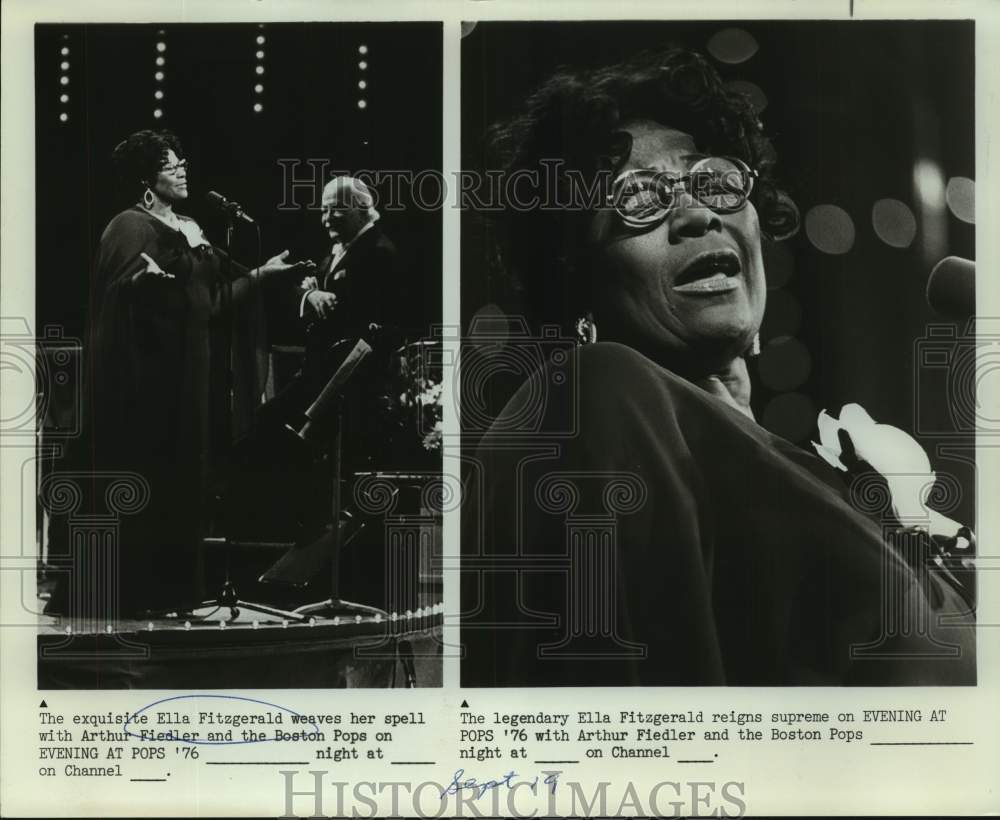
x=732 y=386
x=151 y=270
x=276 y=265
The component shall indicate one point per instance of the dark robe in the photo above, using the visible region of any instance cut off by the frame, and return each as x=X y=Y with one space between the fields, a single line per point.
x=156 y=398
x=736 y=557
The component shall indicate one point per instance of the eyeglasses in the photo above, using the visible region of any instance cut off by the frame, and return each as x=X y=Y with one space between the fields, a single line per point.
x=180 y=165
x=644 y=197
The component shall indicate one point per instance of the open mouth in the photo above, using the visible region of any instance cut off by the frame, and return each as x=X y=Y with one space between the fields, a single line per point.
x=710 y=272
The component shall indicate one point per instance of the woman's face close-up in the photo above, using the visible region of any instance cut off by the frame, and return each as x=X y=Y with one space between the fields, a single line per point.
x=171 y=179
x=690 y=286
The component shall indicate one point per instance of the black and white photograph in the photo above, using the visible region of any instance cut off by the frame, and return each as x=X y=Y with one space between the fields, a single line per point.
x=239 y=444
x=493 y=408
x=719 y=403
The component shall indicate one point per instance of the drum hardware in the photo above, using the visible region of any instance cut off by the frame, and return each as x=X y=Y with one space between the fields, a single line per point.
x=227 y=597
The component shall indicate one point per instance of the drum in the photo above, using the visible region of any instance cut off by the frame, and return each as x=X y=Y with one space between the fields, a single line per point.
x=413 y=399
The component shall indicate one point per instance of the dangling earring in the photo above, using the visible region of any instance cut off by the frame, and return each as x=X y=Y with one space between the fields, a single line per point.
x=586 y=329
x=754 y=350
x=148 y=200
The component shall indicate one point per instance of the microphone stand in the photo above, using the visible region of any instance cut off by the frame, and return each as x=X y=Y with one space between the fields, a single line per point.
x=227 y=597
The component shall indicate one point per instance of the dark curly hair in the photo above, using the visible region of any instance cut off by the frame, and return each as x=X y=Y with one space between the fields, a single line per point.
x=574 y=120
x=139 y=157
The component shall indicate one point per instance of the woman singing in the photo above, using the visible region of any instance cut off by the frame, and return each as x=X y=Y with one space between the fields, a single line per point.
x=166 y=331
x=735 y=557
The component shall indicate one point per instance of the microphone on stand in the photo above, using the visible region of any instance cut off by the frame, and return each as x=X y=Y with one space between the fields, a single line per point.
x=219 y=202
x=951 y=287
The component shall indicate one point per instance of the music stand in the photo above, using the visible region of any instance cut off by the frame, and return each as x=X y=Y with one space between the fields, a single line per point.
x=325 y=415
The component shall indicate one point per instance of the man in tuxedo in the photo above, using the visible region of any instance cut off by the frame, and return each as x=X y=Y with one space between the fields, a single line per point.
x=354 y=292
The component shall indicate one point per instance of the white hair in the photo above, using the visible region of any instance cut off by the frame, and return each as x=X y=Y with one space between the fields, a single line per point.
x=346 y=189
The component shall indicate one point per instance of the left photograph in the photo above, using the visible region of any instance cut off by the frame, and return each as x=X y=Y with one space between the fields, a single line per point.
x=238 y=311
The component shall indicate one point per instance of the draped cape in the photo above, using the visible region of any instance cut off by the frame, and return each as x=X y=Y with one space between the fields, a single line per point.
x=648 y=534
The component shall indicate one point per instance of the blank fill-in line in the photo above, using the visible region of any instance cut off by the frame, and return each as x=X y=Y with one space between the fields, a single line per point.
x=555 y=761
x=696 y=761
x=148 y=779
x=412 y=763
x=256 y=763
x=924 y=743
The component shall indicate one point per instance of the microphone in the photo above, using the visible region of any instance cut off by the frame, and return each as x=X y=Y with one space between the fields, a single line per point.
x=951 y=287
x=218 y=201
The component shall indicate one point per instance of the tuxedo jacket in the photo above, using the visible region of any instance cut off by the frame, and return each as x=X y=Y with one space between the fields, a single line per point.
x=367 y=284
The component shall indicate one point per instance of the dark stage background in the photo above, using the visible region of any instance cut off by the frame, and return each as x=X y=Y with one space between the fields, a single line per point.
x=858 y=112
x=309 y=111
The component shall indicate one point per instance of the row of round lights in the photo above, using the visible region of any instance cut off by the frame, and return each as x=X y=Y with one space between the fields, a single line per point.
x=258 y=88
x=159 y=73
x=784 y=364
x=363 y=80
x=64 y=78
x=831 y=230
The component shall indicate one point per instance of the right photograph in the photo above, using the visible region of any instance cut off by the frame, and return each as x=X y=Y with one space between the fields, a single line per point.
x=718 y=363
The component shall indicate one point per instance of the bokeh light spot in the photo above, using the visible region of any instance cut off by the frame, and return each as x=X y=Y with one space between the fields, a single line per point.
x=894 y=223
x=783 y=315
x=784 y=363
x=757 y=96
x=779 y=264
x=961 y=198
x=791 y=416
x=732 y=45
x=830 y=229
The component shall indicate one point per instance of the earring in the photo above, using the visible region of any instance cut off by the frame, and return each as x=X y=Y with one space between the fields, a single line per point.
x=148 y=200
x=586 y=329
x=754 y=350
